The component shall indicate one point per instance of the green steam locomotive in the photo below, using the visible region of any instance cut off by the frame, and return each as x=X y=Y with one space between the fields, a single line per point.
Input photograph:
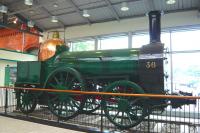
x=118 y=71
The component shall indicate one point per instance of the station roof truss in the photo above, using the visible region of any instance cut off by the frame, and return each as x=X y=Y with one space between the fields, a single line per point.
x=70 y=12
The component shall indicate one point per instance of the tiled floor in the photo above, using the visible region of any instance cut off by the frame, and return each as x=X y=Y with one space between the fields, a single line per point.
x=9 y=125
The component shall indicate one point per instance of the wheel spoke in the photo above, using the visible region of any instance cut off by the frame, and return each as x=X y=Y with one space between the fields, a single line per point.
x=62 y=79
x=56 y=80
x=54 y=105
x=66 y=79
x=72 y=106
x=75 y=102
x=66 y=108
x=55 y=98
x=116 y=115
x=71 y=83
x=60 y=109
x=23 y=102
x=23 y=105
x=26 y=107
x=122 y=118
x=29 y=105
x=129 y=117
x=52 y=85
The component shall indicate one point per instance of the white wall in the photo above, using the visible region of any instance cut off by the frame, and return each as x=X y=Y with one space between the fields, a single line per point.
x=10 y=58
x=135 y=24
x=11 y=55
x=3 y=64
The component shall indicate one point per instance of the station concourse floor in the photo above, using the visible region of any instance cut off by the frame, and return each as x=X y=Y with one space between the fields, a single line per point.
x=9 y=125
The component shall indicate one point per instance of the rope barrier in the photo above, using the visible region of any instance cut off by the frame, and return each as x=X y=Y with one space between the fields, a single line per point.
x=105 y=93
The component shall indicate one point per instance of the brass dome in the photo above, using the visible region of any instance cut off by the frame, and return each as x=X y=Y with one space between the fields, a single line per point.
x=48 y=48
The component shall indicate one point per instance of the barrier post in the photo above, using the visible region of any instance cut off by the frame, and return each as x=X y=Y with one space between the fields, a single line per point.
x=6 y=101
x=6 y=83
x=148 y=125
x=101 y=117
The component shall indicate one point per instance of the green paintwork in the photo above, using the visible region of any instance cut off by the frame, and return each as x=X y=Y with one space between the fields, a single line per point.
x=102 y=62
x=90 y=63
x=123 y=105
x=28 y=72
x=101 y=53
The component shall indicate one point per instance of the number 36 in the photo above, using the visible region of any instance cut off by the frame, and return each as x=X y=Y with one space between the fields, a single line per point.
x=150 y=65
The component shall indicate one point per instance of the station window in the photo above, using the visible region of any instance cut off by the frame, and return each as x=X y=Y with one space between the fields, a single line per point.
x=185 y=40
x=117 y=42
x=138 y=40
x=83 y=45
x=186 y=72
x=185 y=67
x=165 y=39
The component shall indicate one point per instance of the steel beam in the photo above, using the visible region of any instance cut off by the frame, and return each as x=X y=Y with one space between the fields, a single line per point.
x=128 y=17
x=198 y=5
x=50 y=3
x=26 y=9
x=150 y=4
x=25 y=20
x=50 y=14
x=114 y=12
x=90 y=8
x=65 y=13
x=22 y=18
x=12 y=27
x=5 y=18
x=8 y=3
x=78 y=10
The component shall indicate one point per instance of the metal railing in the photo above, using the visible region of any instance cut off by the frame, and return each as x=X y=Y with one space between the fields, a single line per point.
x=169 y=120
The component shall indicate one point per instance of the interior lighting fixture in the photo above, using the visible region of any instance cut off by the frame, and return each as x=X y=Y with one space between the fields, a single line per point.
x=124 y=6
x=170 y=2
x=3 y=9
x=86 y=14
x=55 y=5
x=54 y=19
x=28 y=2
x=30 y=24
x=31 y=11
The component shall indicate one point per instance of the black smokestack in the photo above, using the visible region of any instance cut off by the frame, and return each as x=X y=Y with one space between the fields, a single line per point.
x=154 y=26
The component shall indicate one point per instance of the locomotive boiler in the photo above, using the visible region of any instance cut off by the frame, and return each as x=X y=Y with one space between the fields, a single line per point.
x=118 y=71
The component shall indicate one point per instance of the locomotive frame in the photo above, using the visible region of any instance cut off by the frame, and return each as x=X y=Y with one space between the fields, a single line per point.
x=118 y=71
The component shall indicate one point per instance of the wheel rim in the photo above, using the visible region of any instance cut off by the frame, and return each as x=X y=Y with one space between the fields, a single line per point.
x=124 y=112
x=26 y=101
x=65 y=105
